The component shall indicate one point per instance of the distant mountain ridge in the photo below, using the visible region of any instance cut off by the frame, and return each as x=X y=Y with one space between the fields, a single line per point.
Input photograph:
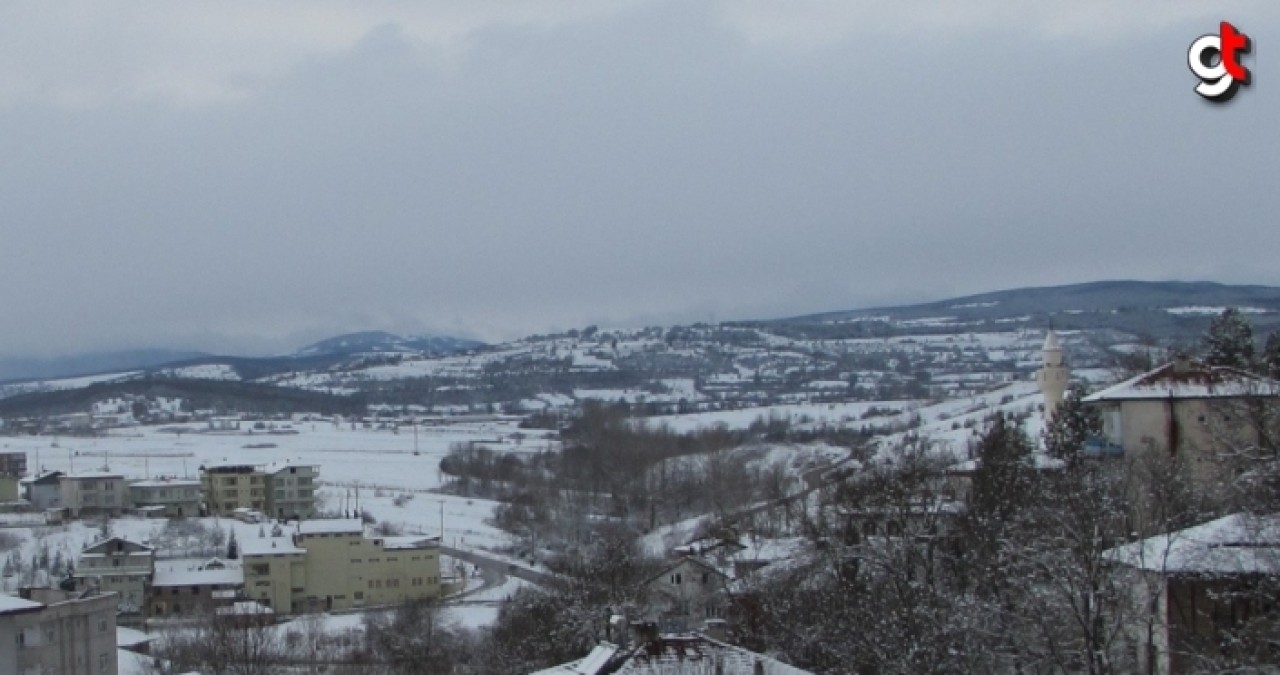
x=382 y=341
x=319 y=354
x=1159 y=308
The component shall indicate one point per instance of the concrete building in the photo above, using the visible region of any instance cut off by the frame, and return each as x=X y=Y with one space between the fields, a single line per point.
x=52 y=631
x=93 y=493
x=685 y=595
x=187 y=587
x=230 y=486
x=13 y=464
x=43 y=490
x=1183 y=420
x=334 y=564
x=1191 y=590
x=291 y=490
x=284 y=490
x=166 y=497
x=117 y=565
x=1183 y=409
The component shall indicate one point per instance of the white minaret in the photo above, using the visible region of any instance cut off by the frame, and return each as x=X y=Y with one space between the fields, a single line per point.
x=1052 y=376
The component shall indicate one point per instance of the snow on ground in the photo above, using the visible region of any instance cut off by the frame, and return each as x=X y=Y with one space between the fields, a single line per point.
x=1202 y=309
x=835 y=414
x=212 y=371
x=361 y=467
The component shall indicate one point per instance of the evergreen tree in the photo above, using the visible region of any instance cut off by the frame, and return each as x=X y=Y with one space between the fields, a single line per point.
x=1229 y=341
x=1271 y=356
x=1072 y=425
x=233 y=547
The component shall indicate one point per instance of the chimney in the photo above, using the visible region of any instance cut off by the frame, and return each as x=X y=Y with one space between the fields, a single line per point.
x=1181 y=363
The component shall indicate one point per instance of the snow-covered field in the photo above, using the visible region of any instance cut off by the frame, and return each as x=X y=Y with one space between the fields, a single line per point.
x=849 y=414
x=369 y=465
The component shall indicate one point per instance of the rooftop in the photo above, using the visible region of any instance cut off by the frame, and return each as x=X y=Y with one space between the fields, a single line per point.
x=269 y=545
x=1188 y=379
x=1235 y=544
x=331 y=526
x=10 y=604
x=198 y=573
x=166 y=482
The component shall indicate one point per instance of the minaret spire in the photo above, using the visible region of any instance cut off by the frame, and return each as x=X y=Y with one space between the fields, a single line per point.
x=1053 y=374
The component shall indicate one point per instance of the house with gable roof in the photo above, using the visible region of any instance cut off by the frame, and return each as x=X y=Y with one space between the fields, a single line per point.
x=1190 y=589
x=686 y=594
x=118 y=565
x=1183 y=408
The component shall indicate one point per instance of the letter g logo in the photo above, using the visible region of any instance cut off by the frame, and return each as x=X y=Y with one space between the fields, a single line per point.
x=1215 y=59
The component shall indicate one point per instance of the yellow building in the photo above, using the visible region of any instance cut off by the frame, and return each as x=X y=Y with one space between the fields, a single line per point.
x=334 y=564
x=228 y=487
x=283 y=490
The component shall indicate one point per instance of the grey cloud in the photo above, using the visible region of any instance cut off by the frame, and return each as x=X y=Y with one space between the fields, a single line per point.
x=650 y=163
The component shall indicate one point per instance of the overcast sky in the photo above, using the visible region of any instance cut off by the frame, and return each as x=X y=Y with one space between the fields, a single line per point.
x=248 y=176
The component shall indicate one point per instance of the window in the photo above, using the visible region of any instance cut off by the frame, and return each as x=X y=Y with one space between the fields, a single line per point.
x=260 y=569
x=102 y=663
x=358 y=595
x=102 y=624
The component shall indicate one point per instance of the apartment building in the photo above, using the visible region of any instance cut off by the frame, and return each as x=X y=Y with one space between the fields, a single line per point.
x=323 y=565
x=43 y=490
x=230 y=486
x=283 y=490
x=166 y=497
x=117 y=565
x=47 y=630
x=291 y=489
x=93 y=493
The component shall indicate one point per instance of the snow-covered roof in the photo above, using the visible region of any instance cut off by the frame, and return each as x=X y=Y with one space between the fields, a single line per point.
x=591 y=665
x=48 y=476
x=276 y=467
x=129 y=637
x=1235 y=544
x=196 y=573
x=269 y=546
x=331 y=526
x=409 y=543
x=1038 y=461
x=92 y=475
x=698 y=654
x=165 y=482
x=10 y=604
x=1192 y=379
x=244 y=608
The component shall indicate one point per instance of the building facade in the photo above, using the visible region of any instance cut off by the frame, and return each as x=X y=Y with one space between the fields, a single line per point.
x=188 y=587
x=228 y=487
x=94 y=493
x=118 y=566
x=166 y=497
x=291 y=490
x=334 y=564
x=43 y=491
x=51 y=631
x=283 y=490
